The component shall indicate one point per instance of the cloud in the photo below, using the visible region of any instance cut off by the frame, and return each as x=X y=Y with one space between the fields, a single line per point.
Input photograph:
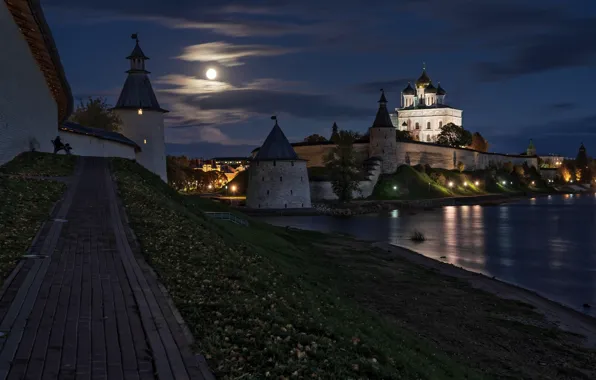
x=200 y=113
x=561 y=106
x=229 y=54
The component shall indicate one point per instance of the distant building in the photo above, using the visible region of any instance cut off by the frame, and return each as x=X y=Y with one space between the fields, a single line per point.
x=423 y=110
x=277 y=178
x=232 y=161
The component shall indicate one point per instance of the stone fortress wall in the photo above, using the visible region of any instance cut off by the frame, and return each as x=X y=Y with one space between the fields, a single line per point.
x=278 y=185
x=406 y=152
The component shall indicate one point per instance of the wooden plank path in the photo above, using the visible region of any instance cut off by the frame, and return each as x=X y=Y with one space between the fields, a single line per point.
x=83 y=305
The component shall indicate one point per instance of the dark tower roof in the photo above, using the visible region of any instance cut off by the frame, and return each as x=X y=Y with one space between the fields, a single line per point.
x=409 y=90
x=137 y=52
x=430 y=88
x=441 y=90
x=276 y=147
x=382 y=120
x=137 y=91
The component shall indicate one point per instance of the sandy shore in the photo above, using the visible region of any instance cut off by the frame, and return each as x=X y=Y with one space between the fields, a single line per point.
x=559 y=315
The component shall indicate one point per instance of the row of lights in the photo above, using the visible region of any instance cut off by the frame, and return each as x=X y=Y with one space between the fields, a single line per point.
x=451 y=184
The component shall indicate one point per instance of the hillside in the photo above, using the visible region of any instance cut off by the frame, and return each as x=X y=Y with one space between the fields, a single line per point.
x=26 y=202
x=266 y=302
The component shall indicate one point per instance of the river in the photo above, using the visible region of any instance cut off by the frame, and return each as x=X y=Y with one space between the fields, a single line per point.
x=545 y=244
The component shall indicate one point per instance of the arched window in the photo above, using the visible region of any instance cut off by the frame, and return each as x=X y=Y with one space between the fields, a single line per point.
x=428 y=138
x=417 y=126
x=428 y=125
x=440 y=124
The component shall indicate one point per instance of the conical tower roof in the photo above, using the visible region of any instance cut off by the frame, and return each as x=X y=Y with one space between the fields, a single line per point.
x=137 y=92
x=382 y=120
x=137 y=52
x=276 y=147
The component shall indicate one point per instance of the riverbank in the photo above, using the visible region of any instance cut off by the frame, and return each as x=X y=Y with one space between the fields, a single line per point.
x=556 y=314
x=360 y=207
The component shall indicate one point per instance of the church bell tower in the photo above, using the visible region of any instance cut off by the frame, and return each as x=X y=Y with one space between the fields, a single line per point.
x=142 y=117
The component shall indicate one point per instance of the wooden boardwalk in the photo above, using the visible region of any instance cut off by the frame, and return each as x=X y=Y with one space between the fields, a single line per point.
x=82 y=305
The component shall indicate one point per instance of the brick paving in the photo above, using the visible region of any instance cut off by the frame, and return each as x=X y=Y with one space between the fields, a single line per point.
x=85 y=306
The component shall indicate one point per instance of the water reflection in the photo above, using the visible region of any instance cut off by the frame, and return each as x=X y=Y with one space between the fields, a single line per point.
x=546 y=244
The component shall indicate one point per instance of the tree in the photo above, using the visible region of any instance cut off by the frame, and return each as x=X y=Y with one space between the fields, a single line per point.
x=96 y=113
x=454 y=135
x=312 y=139
x=461 y=166
x=479 y=143
x=403 y=135
x=342 y=167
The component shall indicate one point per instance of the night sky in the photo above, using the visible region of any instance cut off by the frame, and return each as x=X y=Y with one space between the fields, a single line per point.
x=518 y=69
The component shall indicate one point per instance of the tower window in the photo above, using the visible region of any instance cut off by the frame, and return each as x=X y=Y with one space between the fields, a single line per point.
x=303 y=205
x=267 y=192
x=291 y=192
x=274 y=163
x=263 y=179
x=286 y=205
x=145 y=141
x=279 y=179
x=428 y=125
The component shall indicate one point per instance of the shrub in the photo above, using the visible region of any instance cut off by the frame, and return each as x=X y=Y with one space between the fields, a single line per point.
x=439 y=178
x=461 y=166
x=417 y=236
x=519 y=171
x=508 y=167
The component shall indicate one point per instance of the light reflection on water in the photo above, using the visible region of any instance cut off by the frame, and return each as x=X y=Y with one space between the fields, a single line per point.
x=547 y=244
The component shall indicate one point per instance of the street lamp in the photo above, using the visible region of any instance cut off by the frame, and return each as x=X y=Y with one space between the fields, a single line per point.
x=504 y=182
x=394 y=187
x=450 y=184
x=476 y=183
x=233 y=188
x=465 y=184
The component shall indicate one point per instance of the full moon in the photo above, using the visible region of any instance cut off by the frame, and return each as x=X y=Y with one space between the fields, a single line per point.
x=211 y=74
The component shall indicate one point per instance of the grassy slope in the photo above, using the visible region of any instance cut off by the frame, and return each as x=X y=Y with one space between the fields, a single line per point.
x=265 y=300
x=414 y=184
x=260 y=302
x=25 y=203
x=40 y=164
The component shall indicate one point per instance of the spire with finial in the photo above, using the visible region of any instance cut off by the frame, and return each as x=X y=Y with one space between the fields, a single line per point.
x=137 y=57
x=382 y=120
x=383 y=100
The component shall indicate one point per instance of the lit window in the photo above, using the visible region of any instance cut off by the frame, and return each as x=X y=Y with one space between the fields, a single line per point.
x=145 y=141
x=140 y=111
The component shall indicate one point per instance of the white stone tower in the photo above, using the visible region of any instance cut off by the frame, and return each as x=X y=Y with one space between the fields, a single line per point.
x=383 y=139
x=277 y=178
x=142 y=117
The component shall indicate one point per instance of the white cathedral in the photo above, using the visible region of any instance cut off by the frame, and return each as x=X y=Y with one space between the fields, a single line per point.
x=423 y=110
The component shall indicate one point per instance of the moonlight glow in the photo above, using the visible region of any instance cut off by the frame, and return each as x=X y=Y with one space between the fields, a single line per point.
x=211 y=74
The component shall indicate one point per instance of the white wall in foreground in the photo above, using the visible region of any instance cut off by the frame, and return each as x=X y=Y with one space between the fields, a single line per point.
x=83 y=145
x=28 y=112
